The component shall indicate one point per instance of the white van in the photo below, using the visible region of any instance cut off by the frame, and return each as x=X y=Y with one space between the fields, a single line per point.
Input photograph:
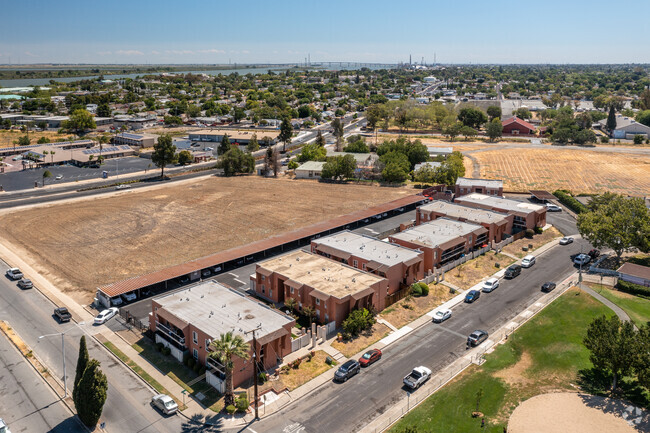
x=528 y=261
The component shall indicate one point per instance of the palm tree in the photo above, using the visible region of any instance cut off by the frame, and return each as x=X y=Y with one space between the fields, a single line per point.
x=309 y=312
x=223 y=350
x=46 y=174
x=290 y=303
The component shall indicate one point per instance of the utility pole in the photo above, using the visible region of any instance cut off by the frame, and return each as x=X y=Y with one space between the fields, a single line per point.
x=256 y=374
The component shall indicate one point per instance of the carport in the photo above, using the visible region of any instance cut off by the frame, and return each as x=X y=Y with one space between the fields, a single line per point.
x=542 y=196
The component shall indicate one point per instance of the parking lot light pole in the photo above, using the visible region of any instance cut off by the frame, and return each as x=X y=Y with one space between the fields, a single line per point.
x=62 y=334
x=580 y=269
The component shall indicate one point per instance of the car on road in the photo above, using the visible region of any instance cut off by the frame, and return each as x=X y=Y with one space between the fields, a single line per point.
x=3 y=427
x=490 y=285
x=581 y=259
x=417 y=377
x=164 y=403
x=62 y=314
x=548 y=286
x=512 y=271
x=105 y=316
x=550 y=207
x=14 y=273
x=441 y=315
x=370 y=357
x=472 y=296
x=476 y=338
x=129 y=297
x=58 y=177
x=347 y=370
x=123 y=186
x=593 y=253
x=25 y=283
x=566 y=240
x=528 y=261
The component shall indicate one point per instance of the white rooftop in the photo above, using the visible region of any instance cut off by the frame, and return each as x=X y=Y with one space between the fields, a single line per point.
x=216 y=309
x=437 y=232
x=500 y=203
x=455 y=210
x=488 y=183
x=440 y=150
x=427 y=164
x=368 y=248
x=312 y=166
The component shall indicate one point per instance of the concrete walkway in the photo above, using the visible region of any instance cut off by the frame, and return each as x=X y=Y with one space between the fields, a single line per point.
x=615 y=308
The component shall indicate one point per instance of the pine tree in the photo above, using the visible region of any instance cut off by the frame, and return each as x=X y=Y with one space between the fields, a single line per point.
x=611 y=119
x=82 y=362
x=224 y=146
x=91 y=394
x=320 y=140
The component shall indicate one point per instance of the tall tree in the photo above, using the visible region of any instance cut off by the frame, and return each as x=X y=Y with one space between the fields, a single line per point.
x=472 y=117
x=337 y=126
x=91 y=394
x=494 y=129
x=184 y=157
x=235 y=161
x=286 y=132
x=320 y=140
x=224 y=145
x=494 y=112
x=224 y=349
x=613 y=347
x=339 y=167
x=46 y=174
x=611 y=119
x=253 y=144
x=82 y=362
x=164 y=153
x=80 y=121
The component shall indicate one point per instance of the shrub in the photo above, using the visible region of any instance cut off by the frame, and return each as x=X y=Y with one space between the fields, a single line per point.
x=569 y=201
x=166 y=351
x=242 y=402
x=230 y=409
x=638 y=139
x=530 y=233
x=357 y=321
x=262 y=377
x=159 y=346
x=296 y=364
x=191 y=362
x=416 y=290
x=604 y=139
x=425 y=288
x=539 y=230
x=633 y=289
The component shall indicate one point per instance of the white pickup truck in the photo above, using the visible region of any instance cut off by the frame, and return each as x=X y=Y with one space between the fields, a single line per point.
x=417 y=377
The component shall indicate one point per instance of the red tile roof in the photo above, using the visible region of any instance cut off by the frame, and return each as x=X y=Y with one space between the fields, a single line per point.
x=515 y=119
x=179 y=270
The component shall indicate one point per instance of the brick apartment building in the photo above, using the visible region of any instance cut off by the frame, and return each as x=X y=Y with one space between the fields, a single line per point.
x=526 y=215
x=498 y=224
x=399 y=265
x=466 y=185
x=442 y=240
x=187 y=321
x=331 y=288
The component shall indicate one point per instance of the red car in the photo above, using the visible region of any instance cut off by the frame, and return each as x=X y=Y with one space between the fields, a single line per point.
x=370 y=357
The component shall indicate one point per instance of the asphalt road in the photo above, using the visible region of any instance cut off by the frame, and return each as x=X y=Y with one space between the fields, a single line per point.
x=27 y=403
x=127 y=408
x=349 y=406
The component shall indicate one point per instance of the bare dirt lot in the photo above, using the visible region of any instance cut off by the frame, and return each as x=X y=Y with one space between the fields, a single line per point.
x=85 y=244
x=7 y=137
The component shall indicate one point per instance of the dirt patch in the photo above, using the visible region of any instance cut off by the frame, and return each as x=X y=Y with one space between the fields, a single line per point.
x=84 y=244
x=296 y=377
x=398 y=315
x=473 y=271
x=537 y=241
x=364 y=340
x=515 y=375
x=572 y=412
x=7 y=137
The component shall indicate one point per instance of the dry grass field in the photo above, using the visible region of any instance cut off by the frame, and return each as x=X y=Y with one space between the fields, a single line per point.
x=7 y=138
x=580 y=171
x=81 y=245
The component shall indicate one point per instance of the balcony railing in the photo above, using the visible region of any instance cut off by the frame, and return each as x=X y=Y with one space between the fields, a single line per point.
x=169 y=333
x=215 y=367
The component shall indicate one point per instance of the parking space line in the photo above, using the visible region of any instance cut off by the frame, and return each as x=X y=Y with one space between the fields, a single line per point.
x=452 y=332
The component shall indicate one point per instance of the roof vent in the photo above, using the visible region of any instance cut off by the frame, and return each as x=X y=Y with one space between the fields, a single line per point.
x=354 y=280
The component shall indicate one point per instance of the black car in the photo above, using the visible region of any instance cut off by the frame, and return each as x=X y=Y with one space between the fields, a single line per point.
x=593 y=253
x=513 y=271
x=63 y=314
x=472 y=296
x=548 y=286
x=476 y=338
x=347 y=370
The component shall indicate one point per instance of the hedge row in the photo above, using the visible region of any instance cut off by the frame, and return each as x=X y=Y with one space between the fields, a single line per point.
x=633 y=289
x=569 y=201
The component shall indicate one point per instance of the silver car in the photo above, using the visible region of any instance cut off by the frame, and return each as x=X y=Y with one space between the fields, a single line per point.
x=164 y=403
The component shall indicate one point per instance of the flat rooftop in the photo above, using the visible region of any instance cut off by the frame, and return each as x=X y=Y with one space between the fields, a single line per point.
x=234 y=134
x=368 y=248
x=500 y=203
x=326 y=276
x=311 y=165
x=488 y=183
x=438 y=232
x=468 y=213
x=216 y=309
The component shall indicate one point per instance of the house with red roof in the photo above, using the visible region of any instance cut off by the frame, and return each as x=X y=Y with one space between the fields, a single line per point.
x=517 y=126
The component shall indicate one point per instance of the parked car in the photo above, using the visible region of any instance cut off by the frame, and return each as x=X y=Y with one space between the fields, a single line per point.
x=62 y=314
x=476 y=338
x=441 y=315
x=3 y=427
x=512 y=271
x=206 y=273
x=550 y=207
x=347 y=370
x=123 y=186
x=129 y=297
x=582 y=259
x=593 y=254
x=105 y=316
x=116 y=301
x=14 y=273
x=472 y=296
x=58 y=177
x=25 y=283
x=417 y=377
x=566 y=241
x=528 y=261
x=370 y=357
x=490 y=285
x=164 y=403
x=216 y=269
x=548 y=286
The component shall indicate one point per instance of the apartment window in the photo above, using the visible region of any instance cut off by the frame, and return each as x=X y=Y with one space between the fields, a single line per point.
x=195 y=354
x=318 y=314
x=470 y=239
x=355 y=264
x=207 y=343
x=327 y=318
x=271 y=292
x=325 y=304
x=317 y=301
x=291 y=290
x=364 y=266
x=435 y=255
x=263 y=288
x=263 y=277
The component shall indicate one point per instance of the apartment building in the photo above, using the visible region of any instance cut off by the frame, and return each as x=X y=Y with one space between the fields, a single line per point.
x=526 y=215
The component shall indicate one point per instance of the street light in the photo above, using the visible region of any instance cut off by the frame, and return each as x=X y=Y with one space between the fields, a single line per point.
x=65 y=385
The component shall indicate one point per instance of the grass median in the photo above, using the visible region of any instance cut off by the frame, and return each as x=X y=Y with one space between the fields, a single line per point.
x=544 y=355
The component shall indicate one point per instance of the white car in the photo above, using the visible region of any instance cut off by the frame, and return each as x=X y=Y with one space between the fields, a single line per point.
x=59 y=177
x=441 y=315
x=123 y=186
x=553 y=207
x=129 y=297
x=582 y=259
x=164 y=403
x=105 y=316
x=14 y=273
x=490 y=285
x=528 y=261
x=566 y=240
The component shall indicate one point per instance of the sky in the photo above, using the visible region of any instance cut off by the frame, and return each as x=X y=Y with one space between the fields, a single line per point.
x=288 y=31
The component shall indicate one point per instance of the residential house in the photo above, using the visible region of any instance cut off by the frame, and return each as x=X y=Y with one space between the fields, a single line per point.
x=636 y=274
x=627 y=128
x=517 y=126
x=310 y=170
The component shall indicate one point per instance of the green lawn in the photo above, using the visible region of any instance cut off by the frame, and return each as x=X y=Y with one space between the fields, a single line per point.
x=636 y=307
x=544 y=355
